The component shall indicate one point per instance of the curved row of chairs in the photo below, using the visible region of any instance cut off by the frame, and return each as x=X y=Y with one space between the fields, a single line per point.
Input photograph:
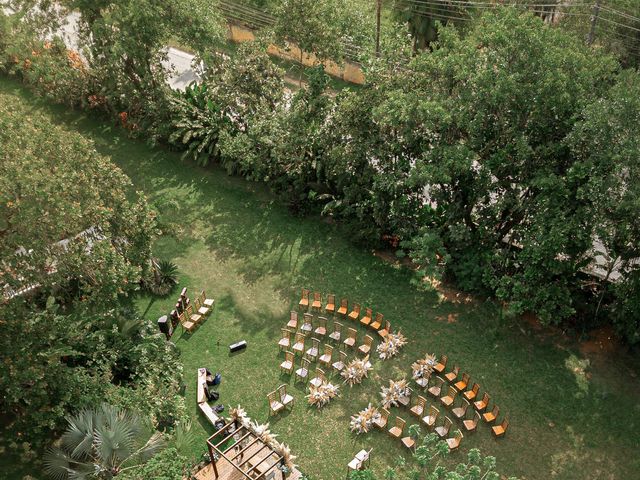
x=459 y=388
x=316 y=304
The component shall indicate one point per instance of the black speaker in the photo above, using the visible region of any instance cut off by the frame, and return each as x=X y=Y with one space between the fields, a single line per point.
x=165 y=326
x=238 y=346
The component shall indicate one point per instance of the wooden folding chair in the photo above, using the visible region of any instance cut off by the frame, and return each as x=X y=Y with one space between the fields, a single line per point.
x=398 y=428
x=319 y=379
x=325 y=358
x=287 y=365
x=378 y=322
x=313 y=352
x=491 y=416
x=443 y=430
x=441 y=365
x=365 y=348
x=304 y=299
x=471 y=424
x=366 y=320
x=186 y=324
x=447 y=400
x=408 y=442
x=354 y=315
x=436 y=389
x=480 y=405
x=316 y=305
x=207 y=302
x=344 y=305
x=462 y=384
x=285 y=340
x=500 y=430
x=461 y=410
x=381 y=422
x=453 y=374
x=337 y=332
x=420 y=405
x=430 y=419
x=386 y=330
x=350 y=341
x=285 y=398
x=303 y=372
x=293 y=320
x=298 y=347
x=194 y=317
x=201 y=309
x=473 y=393
x=307 y=323
x=321 y=329
x=454 y=443
x=405 y=401
x=274 y=405
x=339 y=364
x=330 y=307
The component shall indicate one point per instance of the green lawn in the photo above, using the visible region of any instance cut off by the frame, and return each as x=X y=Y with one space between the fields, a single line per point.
x=234 y=239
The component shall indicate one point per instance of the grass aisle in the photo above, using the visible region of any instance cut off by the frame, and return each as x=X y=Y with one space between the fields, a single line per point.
x=232 y=238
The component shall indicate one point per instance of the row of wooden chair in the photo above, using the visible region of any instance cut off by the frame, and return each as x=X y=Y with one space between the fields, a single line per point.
x=441 y=430
x=279 y=399
x=297 y=343
x=376 y=323
x=318 y=326
x=190 y=318
x=468 y=395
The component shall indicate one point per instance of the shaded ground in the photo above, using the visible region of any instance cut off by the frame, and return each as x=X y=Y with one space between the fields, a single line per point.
x=570 y=418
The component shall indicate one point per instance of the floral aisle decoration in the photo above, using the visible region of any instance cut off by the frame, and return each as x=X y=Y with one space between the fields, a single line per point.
x=422 y=369
x=239 y=415
x=356 y=370
x=391 y=345
x=363 y=422
x=320 y=396
x=397 y=389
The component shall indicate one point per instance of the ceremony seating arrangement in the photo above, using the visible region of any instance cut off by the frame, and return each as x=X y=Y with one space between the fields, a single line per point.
x=337 y=332
x=313 y=351
x=408 y=442
x=344 y=305
x=462 y=384
x=461 y=411
x=481 y=405
x=207 y=302
x=418 y=408
x=365 y=348
x=319 y=378
x=441 y=365
x=321 y=329
x=453 y=374
x=436 y=389
x=307 y=323
x=377 y=324
x=387 y=328
x=447 y=400
x=491 y=416
x=317 y=302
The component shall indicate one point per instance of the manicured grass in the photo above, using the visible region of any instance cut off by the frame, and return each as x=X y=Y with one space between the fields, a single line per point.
x=232 y=238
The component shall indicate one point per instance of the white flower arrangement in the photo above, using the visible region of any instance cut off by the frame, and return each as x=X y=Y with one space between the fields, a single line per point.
x=397 y=389
x=363 y=422
x=391 y=345
x=356 y=370
x=320 y=396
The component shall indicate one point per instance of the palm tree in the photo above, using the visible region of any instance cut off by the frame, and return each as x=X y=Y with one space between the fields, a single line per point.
x=101 y=443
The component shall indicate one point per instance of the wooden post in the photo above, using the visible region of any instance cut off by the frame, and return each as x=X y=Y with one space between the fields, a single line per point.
x=594 y=22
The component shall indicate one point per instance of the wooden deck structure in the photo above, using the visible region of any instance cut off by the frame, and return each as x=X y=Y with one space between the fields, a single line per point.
x=237 y=453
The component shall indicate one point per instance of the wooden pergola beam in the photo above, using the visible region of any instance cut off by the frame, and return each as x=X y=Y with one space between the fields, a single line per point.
x=245 y=448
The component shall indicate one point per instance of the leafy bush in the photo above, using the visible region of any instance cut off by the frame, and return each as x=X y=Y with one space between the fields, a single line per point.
x=163 y=277
x=166 y=465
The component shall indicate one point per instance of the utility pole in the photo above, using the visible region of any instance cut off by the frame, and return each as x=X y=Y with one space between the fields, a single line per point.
x=378 y=8
x=594 y=22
